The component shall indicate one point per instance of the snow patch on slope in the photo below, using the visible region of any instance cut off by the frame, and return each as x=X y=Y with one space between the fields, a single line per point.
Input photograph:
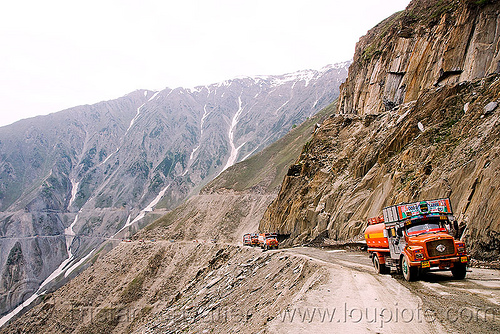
x=74 y=191
x=234 y=149
x=142 y=214
x=76 y=265
x=69 y=235
x=205 y=115
x=135 y=117
x=154 y=95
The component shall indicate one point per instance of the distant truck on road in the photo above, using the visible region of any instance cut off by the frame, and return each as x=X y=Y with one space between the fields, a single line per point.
x=414 y=238
x=268 y=241
x=255 y=239
x=247 y=239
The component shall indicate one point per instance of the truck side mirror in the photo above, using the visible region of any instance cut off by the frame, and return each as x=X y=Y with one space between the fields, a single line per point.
x=399 y=232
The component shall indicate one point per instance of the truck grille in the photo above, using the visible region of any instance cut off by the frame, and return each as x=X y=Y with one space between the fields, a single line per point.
x=447 y=247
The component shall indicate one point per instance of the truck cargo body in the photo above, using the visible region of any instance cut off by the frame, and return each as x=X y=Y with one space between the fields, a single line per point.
x=255 y=239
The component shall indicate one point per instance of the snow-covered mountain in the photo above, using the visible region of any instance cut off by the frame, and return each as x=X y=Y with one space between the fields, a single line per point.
x=72 y=179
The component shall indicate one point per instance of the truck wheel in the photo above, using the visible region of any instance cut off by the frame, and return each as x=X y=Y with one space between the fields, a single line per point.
x=409 y=273
x=459 y=271
x=381 y=268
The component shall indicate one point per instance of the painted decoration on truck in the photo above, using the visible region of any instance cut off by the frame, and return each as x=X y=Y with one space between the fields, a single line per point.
x=424 y=207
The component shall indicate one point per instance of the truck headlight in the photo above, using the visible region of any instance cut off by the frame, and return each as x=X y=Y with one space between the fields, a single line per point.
x=461 y=249
x=419 y=256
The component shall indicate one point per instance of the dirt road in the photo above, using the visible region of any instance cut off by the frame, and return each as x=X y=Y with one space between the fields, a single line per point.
x=356 y=299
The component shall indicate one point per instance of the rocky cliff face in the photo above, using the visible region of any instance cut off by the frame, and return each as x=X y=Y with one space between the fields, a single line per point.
x=430 y=44
x=417 y=118
x=72 y=179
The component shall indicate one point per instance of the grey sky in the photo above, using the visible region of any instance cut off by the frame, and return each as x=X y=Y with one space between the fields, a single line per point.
x=58 y=54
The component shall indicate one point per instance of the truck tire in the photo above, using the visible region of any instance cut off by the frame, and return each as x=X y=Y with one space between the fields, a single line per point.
x=381 y=268
x=409 y=273
x=459 y=271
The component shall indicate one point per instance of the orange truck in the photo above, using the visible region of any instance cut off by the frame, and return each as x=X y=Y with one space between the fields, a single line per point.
x=415 y=238
x=268 y=241
x=255 y=239
x=247 y=240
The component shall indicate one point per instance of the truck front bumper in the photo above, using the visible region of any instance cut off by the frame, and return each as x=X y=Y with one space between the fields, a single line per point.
x=442 y=263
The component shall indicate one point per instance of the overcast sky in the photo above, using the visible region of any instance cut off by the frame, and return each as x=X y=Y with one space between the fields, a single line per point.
x=57 y=54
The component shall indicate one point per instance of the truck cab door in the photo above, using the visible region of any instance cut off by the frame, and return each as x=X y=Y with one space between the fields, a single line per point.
x=396 y=243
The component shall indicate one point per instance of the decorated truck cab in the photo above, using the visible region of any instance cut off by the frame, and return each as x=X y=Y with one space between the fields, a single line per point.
x=415 y=238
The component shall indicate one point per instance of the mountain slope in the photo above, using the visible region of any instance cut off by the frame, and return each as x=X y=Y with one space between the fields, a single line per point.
x=163 y=287
x=73 y=179
x=227 y=207
x=440 y=138
x=233 y=203
x=430 y=44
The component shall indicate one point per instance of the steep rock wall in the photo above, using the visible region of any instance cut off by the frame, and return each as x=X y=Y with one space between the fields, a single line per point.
x=430 y=44
x=438 y=137
x=356 y=165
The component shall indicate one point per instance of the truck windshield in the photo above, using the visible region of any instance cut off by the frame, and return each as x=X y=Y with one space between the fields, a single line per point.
x=423 y=228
